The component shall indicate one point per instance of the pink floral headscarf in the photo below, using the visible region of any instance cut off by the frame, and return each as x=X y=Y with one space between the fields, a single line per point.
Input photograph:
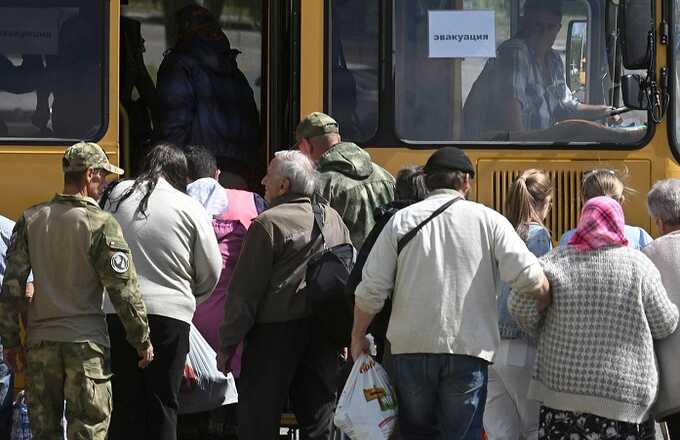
x=601 y=224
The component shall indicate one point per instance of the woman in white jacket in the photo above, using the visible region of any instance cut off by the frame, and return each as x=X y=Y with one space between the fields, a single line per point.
x=177 y=259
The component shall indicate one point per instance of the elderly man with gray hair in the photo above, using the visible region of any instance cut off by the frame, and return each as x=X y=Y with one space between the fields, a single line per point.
x=663 y=203
x=284 y=351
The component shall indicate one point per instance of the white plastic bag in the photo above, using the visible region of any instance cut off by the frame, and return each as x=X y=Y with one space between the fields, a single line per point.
x=213 y=389
x=367 y=409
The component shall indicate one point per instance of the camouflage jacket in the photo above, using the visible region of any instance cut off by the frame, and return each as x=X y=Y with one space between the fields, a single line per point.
x=354 y=186
x=75 y=251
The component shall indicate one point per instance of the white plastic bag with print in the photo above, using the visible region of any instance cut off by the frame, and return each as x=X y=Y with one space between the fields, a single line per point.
x=213 y=389
x=367 y=409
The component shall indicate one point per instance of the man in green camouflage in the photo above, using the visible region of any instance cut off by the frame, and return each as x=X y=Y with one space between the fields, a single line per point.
x=75 y=251
x=349 y=181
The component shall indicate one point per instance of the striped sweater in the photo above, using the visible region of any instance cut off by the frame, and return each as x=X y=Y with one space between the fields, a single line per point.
x=595 y=349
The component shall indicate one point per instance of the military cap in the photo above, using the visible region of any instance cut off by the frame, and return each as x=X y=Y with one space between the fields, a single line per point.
x=84 y=155
x=316 y=124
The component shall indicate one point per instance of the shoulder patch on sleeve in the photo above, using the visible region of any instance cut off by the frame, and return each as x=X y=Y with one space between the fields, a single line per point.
x=120 y=262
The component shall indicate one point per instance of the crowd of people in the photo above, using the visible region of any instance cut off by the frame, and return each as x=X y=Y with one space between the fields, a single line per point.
x=483 y=326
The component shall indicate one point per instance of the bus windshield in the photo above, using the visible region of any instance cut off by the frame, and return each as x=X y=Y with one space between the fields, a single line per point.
x=486 y=71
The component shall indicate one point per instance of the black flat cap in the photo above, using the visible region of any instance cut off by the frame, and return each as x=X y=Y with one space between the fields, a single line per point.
x=449 y=159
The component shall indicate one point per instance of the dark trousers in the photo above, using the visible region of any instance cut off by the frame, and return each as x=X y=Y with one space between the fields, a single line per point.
x=282 y=361
x=145 y=401
x=673 y=423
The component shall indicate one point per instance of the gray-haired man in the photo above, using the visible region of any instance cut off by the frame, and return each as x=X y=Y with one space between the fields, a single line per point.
x=283 y=350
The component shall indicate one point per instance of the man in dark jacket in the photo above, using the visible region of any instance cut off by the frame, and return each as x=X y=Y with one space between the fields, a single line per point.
x=204 y=98
x=284 y=350
x=350 y=182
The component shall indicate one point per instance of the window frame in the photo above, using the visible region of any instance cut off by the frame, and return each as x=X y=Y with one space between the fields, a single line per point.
x=37 y=141
x=386 y=135
x=673 y=57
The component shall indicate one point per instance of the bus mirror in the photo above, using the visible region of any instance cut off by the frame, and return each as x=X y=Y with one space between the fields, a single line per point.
x=633 y=96
x=637 y=22
x=576 y=55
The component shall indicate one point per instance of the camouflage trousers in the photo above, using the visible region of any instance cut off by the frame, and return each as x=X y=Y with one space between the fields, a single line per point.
x=77 y=373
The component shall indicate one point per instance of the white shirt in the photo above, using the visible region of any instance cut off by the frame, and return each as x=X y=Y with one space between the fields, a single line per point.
x=444 y=280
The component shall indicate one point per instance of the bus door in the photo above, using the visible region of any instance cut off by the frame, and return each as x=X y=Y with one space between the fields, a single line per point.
x=263 y=31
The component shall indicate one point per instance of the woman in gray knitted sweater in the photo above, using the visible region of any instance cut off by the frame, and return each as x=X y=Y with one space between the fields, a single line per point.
x=596 y=373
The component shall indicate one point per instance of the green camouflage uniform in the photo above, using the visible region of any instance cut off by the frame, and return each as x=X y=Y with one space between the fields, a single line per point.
x=75 y=251
x=354 y=186
x=349 y=182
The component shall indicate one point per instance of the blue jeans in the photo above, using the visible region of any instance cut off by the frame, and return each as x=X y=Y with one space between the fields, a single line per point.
x=441 y=396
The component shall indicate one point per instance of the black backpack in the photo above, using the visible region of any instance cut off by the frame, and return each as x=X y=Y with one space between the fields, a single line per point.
x=326 y=277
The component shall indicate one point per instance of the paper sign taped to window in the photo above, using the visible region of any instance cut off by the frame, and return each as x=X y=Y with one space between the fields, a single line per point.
x=462 y=34
x=29 y=31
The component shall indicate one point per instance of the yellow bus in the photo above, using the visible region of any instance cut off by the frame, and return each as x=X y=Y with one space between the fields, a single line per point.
x=399 y=76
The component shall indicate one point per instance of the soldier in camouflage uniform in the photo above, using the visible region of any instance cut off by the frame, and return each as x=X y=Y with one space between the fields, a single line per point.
x=349 y=181
x=75 y=251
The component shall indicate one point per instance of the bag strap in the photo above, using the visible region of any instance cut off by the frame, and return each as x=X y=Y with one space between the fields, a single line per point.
x=319 y=220
x=403 y=241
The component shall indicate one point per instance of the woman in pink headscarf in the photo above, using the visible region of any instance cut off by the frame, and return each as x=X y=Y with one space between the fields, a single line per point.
x=596 y=373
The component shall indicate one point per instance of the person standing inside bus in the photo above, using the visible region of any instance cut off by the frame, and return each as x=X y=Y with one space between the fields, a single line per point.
x=509 y=413
x=75 y=251
x=204 y=98
x=349 y=181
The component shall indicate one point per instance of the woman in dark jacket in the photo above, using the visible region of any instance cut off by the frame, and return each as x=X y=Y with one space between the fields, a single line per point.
x=204 y=98
x=410 y=188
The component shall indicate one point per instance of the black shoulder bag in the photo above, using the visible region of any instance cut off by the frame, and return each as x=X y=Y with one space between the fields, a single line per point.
x=326 y=277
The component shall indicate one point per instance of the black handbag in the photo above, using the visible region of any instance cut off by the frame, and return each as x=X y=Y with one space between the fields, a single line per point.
x=326 y=277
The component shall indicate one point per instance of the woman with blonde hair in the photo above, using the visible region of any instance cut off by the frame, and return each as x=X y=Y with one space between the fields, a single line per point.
x=509 y=414
x=606 y=182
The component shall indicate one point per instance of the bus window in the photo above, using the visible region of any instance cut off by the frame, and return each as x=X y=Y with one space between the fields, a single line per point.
x=519 y=92
x=52 y=69
x=353 y=67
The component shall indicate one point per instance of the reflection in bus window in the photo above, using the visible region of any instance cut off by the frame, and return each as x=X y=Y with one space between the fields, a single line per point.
x=521 y=94
x=51 y=69
x=353 y=67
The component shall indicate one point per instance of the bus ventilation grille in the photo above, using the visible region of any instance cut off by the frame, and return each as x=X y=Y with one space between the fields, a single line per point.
x=566 y=204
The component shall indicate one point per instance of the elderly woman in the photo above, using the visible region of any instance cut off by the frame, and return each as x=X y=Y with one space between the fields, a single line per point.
x=596 y=373
x=177 y=258
x=663 y=202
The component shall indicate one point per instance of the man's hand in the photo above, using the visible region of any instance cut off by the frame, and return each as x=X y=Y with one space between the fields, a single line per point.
x=544 y=297
x=145 y=357
x=16 y=359
x=189 y=379
x=359 y=345
x=30 y=288
x=224 y=360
